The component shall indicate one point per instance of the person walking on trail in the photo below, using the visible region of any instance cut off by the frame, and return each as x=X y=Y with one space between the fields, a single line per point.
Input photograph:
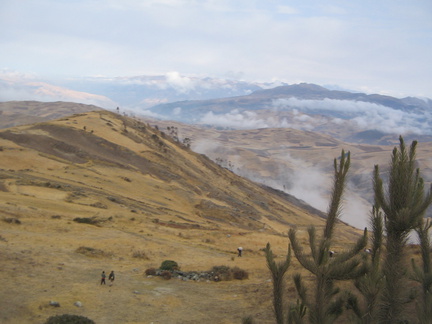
x=240 y=250
x=103 y=276
x=111 y=276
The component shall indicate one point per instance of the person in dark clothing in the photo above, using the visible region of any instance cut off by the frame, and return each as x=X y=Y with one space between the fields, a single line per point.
x=240 y=250
x=111 y=276
x=103 y=276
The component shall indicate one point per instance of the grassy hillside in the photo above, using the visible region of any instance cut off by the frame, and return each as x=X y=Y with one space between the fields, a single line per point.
x=145 y=199
x=297 y=161
x=15 y=113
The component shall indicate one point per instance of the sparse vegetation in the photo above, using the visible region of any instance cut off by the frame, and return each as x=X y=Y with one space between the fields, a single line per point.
x=92 y=252
x=225 y=273
x=12 y=220
x=87 y=220
x=220 y=273
x=225 y=163
x=166 y=274
x=114 y=199
x=150 y=272
x=68 y=319
x=187 y=142
x=248 y=320
x=99 y=205
x=139 y=254
x=240 y=274
x=173 y=132
x=169 y=265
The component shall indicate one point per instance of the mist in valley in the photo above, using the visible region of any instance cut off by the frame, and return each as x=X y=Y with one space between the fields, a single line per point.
x=309 y=183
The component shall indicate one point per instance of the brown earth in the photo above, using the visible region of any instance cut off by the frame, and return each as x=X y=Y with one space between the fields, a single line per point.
x=149 y=197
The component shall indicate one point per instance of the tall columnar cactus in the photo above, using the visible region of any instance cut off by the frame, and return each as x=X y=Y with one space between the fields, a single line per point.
x=424 y=274
x=371 y=283
x=278 y=271
x=403 y=204
x=325 y=304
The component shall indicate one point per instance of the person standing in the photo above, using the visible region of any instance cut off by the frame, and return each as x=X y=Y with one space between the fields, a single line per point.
x=240 y=250
x=103 y=276
x=111 y=276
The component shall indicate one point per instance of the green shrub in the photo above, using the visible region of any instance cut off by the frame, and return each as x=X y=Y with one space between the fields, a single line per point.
x=68 y=319
x=169 y=265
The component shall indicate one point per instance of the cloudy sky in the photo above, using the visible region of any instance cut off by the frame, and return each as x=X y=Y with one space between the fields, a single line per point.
x=374 y=46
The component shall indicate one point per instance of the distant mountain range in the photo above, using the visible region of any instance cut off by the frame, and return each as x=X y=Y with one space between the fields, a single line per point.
x=142 y=92
x=231 y=104
x=351 y=117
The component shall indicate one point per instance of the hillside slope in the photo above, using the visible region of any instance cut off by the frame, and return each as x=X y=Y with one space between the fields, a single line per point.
x=144 y=198
x=16 y=113
x=297 y=162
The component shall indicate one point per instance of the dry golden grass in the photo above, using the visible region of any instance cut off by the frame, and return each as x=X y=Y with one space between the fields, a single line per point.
x=163 y=201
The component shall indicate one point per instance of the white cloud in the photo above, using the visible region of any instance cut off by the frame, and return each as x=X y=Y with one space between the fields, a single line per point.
x=308 y=183
x=181 y=83
x=327 y=104
x=356 y=209
x=364 y=114
x=234 y=119
x=16 y=76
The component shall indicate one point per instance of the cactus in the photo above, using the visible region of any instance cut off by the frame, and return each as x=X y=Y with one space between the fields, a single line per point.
x=278 y=271
x=404 y=207
x=325 y=305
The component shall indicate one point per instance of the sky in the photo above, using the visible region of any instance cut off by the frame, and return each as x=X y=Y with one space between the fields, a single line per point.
x=371 y=46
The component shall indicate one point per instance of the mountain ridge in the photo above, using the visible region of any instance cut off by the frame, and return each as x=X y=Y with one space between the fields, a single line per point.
x=63 y=141
x=307 y=91
x=350 y=117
